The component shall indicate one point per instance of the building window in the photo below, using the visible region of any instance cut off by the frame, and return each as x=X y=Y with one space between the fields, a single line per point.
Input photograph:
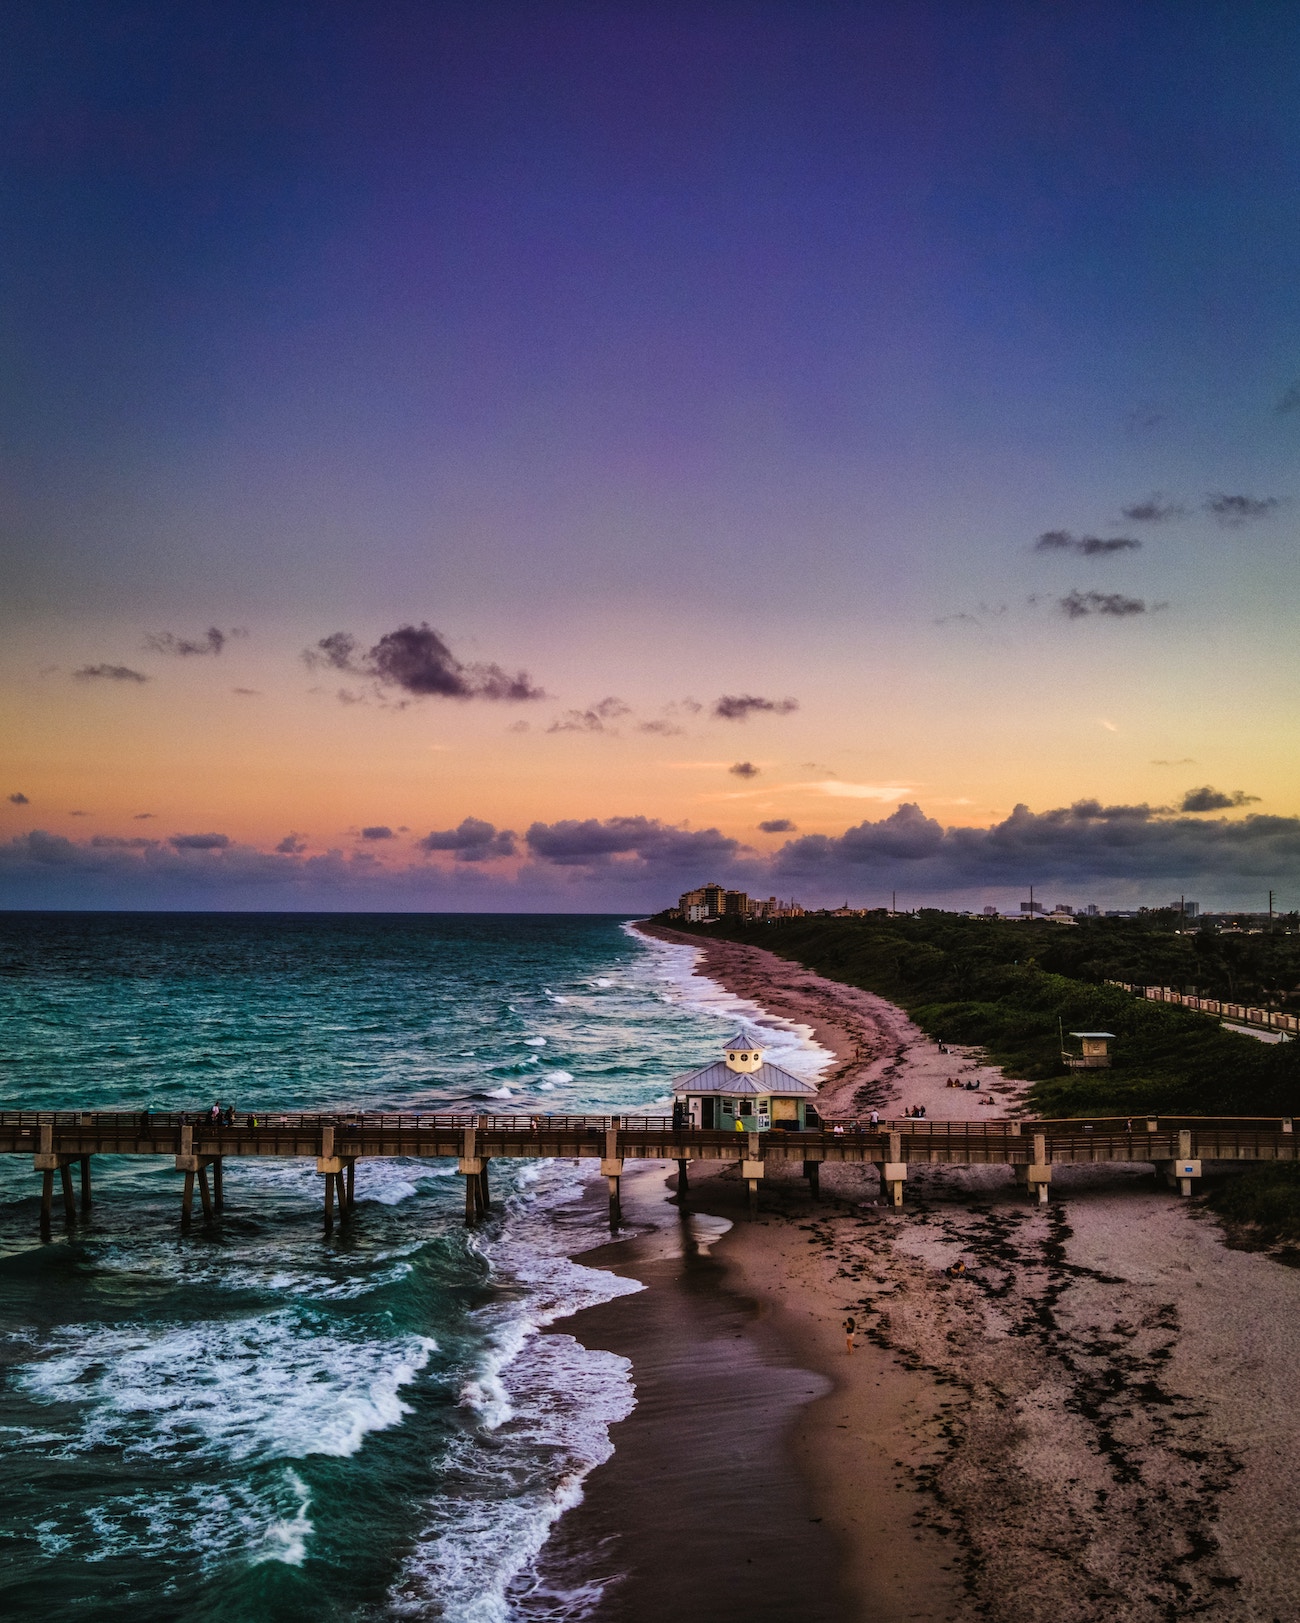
x=727 y=1107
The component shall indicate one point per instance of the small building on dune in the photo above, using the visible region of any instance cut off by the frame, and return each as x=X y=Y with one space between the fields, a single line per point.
x=741 y=1091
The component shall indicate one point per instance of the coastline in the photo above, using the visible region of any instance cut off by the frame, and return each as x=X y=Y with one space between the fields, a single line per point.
x=1096 y=1422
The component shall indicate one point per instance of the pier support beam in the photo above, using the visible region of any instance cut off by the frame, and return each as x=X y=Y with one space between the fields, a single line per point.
x=751 y=1169
x=683 y=1181
x=611 y=1168
x=812 y=1170
x=1183 y=1172
x=85 y=1184
x=218 y=1184
x=485 y=1190
x=893 y=1173
x=1037 y=1176
x=471 y=1168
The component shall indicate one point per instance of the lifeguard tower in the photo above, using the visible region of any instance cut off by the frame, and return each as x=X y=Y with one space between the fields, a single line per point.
x=742 y=1091
x=1096 y=1051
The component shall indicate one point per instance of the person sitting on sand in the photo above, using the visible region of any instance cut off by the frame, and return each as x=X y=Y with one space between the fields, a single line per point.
x=850 y=1325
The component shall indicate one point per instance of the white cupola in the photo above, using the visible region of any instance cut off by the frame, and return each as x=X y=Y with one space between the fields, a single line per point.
x=743 y=1055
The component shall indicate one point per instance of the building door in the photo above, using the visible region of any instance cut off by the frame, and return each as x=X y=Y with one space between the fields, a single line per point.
x=706 y=1112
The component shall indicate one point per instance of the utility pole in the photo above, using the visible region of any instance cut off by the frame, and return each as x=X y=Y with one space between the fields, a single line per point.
x=1270 y=907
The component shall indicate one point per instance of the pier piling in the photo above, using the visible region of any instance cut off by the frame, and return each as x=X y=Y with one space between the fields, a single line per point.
x=812 y=1171
x=85 y=1183
x=683 y=1181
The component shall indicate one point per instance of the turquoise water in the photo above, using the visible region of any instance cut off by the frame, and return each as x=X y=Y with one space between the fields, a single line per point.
x=257 y=1421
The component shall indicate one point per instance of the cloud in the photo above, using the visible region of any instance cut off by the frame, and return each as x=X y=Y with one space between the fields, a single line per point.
x=1185 y=760
x=199 y=842
x=292 y=845
x=78 y=814
x=660 y=727
x=1290 y=400
x=594 y=720
x=572 y=842
x=1206 y=799
x=1154 y=510
x=1236 y=510
x=985 y=611
x=212 y=641
x=1078 y=605
x=473 y=841
x=19 y=799
x=839 y=790
x=144 y=817
x=777 y=825
x=114 y=842
x=248 y=693
x=415 y=660
x=108 y=673
x=740 y=706
x=1116 y=854
x=377 y=831
x=1090 y=546
x=744 y=769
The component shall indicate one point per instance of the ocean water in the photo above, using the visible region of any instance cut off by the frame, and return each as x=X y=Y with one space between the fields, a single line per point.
x=258 y=1421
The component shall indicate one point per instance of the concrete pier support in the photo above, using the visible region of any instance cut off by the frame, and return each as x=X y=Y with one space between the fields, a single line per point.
x=683 y=1181
x=751 y=1169
x=893 y=1173
x=470 y=1167
x=812 y=1170
x=218 y=1184
x=611 y=1167
x=1184 y=1172
x=485 y=1187
x=85 y=1184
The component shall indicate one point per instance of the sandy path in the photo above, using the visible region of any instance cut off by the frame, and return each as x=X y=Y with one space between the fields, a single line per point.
x=882 y=1060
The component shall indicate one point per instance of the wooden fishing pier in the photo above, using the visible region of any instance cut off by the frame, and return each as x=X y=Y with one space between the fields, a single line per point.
x=59 y=1141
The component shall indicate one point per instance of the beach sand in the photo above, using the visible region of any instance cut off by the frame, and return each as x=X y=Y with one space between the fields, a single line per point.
x=1098 y=1422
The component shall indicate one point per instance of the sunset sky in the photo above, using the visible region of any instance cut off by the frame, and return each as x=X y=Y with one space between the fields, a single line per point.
x=503 y=455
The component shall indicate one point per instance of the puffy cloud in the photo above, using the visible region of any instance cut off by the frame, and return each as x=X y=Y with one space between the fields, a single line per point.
x=416 y=661
x=575 y=843
x=744 y=769
x=740 y=706
x=1154 y=510
x=1206 y=799
x=594 y=720
x=777 y=825
x=1078 y=605
x=473 y=841
x=1091 y=546
x=19 y=799
x=377 y=831
x=1235 y=510
x=108 y=673
x=1138 y=852
x=212 y=641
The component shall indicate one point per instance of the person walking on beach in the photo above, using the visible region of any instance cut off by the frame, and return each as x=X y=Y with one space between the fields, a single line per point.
x=850 y=1325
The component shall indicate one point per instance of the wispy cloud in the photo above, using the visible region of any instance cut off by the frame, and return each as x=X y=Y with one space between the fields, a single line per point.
x=108 y=673
x=1290 y=400
x=1079 y=605
x=1235 y=510
x=415 y=660
x=596 y=719
x=838 y=789
x=1185 y=760
x=1154 y=509
x=740 y=706
x=211 y=641
x=1089 y=546
x=1207 y=799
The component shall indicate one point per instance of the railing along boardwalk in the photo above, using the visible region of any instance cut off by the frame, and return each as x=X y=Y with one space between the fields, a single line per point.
x=58 y=1140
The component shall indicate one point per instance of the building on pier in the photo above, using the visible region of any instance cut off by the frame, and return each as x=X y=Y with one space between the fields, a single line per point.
x=742 y=1090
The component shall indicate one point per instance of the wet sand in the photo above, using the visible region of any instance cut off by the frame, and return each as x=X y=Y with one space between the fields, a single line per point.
x=1098 y=1422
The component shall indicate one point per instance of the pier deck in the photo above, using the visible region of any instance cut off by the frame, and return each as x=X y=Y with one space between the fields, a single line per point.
x=58 y=1141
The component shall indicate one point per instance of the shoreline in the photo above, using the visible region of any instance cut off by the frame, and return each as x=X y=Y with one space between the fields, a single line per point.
x=1088 y=1425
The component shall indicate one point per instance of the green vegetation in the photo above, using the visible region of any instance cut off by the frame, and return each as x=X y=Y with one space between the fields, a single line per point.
x=1266 y=1199
x=1012 y=987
